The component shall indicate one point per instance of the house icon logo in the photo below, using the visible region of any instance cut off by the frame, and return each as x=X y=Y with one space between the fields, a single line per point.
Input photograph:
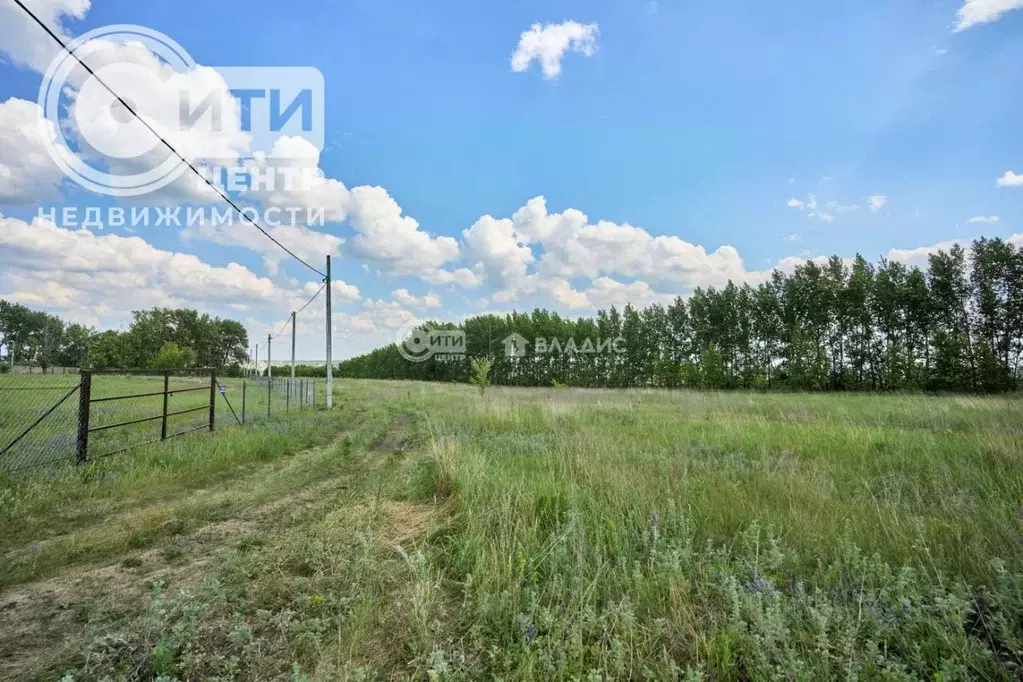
x=515 y=345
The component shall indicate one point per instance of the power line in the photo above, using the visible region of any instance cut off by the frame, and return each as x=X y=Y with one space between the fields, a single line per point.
x=288 y=321
x=312 y=299
x=167 y=144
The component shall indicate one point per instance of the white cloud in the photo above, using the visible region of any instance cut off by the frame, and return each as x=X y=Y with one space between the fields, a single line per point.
x=137 y=75
x=380 y=315
x=463 y=277
x=500 y=253
x=918 y=256
x=573 y=247
x=125 y=147
x=1010 y=179
x=298 y=182
x=385 y=238
x=27 y=174
x=308 y=244
x=548 y=44
x=795 y=203
x=394 y=241
x=25 y=42
x=605 y=292
x=74 y=271
x=877 y=202
x=976 y=12
x=404 y=297
x=339 y=290
x=990 y=220
x=794 y=237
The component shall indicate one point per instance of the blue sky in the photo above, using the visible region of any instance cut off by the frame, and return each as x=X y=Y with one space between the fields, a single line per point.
x=694 y=121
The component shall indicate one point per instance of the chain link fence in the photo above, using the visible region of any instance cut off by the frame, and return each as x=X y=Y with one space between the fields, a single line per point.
x=38 y=419
x=257 y=398
x=55 y=420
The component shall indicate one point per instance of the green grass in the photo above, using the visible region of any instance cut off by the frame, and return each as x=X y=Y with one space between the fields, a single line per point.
x=418 y=530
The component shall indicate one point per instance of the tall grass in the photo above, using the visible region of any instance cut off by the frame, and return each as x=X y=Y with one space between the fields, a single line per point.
x=563 y=534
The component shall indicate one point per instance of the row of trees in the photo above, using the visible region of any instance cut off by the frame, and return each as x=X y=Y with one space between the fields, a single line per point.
x=958 y=326
x=160 y=337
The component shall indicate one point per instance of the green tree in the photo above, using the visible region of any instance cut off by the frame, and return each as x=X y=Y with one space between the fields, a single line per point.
x=173 y=356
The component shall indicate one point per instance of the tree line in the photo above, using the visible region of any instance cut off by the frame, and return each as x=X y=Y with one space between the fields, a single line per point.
x=829 y=326
x=163 y=338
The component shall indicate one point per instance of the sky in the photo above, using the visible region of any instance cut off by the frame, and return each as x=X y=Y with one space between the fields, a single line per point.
x=488 y=157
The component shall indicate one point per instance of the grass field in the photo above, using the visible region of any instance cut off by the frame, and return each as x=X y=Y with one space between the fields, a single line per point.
x=419 y=531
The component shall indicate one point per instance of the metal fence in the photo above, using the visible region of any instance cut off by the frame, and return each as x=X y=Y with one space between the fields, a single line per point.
x=51 y=420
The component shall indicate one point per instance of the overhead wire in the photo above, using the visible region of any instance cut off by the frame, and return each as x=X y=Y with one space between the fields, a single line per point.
x=167 y=144
x=306 y=305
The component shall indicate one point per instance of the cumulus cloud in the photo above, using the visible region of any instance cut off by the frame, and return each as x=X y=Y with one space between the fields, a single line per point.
x=877 y=202
x=377 y=315
x=393 y=241
x=310 y=245
x=989 y=220
x=548 y=45
x=27 y=174
x=406 y=298
x=605 y=292
x=976 y=12
x=499 y=252
x=22 y=39
x=291 y=178
x=385 y=238
x=339 y=290
x=574 y=247
x=1010 y=179
x=918 y=256
x=47 y=265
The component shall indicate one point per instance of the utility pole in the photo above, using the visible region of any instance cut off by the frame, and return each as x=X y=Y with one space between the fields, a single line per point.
x=330 y=362
x=269 y=372
x=292 y=382
x=257 y=360
x=293 y=344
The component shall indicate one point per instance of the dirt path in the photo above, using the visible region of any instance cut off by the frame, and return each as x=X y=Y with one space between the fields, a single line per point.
x=46 y=620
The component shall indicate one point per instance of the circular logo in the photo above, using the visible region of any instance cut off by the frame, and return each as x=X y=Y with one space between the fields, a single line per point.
x=413 y=341
x=115 y=153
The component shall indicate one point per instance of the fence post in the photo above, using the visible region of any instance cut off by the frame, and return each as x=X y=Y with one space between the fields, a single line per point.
x=269 y=394
x=84 y=397
x=213 y=400
x=244 y=382
x=287 y=400
x=163 y=422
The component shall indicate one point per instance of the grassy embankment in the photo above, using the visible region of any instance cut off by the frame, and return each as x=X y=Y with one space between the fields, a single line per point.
x=420 y=530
